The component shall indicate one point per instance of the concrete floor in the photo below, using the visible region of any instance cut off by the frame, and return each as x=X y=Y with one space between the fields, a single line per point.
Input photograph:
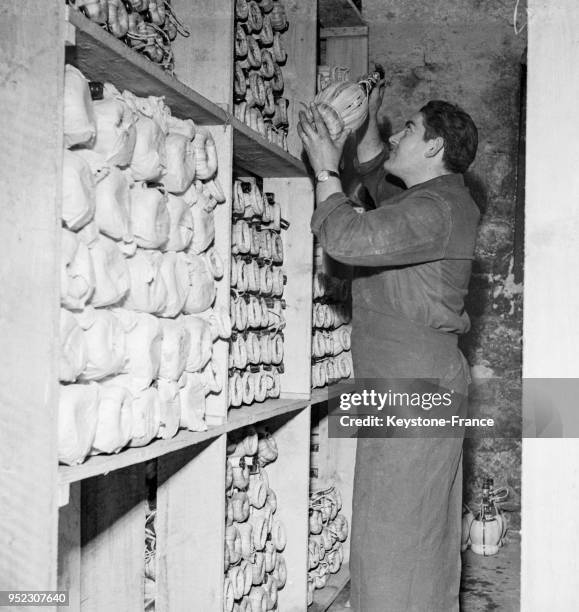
x=489 y=584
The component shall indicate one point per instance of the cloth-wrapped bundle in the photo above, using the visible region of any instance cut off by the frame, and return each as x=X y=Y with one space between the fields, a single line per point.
x=105 y=343
x=175 y=348
x=148 y=292
x=175 y=274
x=201 y=347
x=79 y=119
x=146 y=416
x=180 y=158
x=193 y=406
x=77 y=274
x=202 y=289
x=169 y=393
x=115 y=419
x=78 y=191
x=181 y=224
x=150 y=220
x=77 y=421
x=112 y=279
x=73 y=351
x=143 y=338
x=203 y=228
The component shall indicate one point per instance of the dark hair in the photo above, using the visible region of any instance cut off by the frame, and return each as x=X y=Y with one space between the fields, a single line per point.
x=456 y=128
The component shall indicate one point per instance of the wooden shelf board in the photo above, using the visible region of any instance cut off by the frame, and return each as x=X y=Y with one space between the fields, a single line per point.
x=339 y=13
x=324 y=598
x=102 y=57
x=325 y=393
x=238 y=417
x=252 y=152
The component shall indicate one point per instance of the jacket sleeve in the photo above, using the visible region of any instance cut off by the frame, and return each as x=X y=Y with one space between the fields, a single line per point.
x=414 y=231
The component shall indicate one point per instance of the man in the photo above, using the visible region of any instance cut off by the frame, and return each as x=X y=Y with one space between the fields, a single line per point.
x=416 y=250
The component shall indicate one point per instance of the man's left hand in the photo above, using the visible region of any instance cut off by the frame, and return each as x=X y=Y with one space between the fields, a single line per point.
x=323 y=152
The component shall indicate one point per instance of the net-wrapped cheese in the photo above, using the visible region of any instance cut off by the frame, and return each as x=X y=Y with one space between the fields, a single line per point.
x=112 y=279
x=73 y=351
x=77 y=421
x=77 y=274
x=78 y=191
x=79 y=120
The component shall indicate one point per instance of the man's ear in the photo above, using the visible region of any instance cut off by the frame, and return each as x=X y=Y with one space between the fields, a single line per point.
x=435 y=146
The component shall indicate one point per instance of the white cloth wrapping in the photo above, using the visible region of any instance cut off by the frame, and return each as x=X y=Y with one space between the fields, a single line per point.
x=105 y=343
x=78 y=191
x=175 y=273
x=115 y=419
x=77 y=421
x=148 y=161
x=77 y=274
x=143 y=338
x=150 y=220
x=175 y=348
x=116 y=133
x=181 y=224
x=219 y=321
x=202 y=289
x=203 y=229
x=193 y=404
x=79 y=119
x=112 y=214
x=148 y=292
x=170 y=408
x=73 y=351
x=180 y=159
x=201 y=347
x=112 y=280
x=146 y=416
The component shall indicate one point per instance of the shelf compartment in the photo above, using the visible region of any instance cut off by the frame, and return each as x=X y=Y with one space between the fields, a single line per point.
x=324 y=598
x=102 y=57
x=239 y=417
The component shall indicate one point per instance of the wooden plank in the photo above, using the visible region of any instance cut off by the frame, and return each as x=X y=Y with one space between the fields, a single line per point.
x=69 y=549
x=203 y=61
x=101 y=57
x=190 y=526
x=300 y=72
x=238 y=417
x=348 y=51
x=551 y=466
x=340 y=13
x=297 y=204
x=31 y=86
x=217 y=405
x=113 y=541
x=253 y=153
x=324 y=598
x=347 y=32
x=288 y=477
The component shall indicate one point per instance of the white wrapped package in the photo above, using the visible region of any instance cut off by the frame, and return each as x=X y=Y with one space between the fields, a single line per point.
x=148 y=292
x=146 y=416
x=184 y=127
x=73 y=351
x=203 y=228
x=180 y=157
x=175 y=348
x=219 y=321
x=78 y=191
x=181 y=224
x=150 y=220
x=143 y=337
x=105 y=343
x=170 y=408
x=193 y=405
x=112 y=214
x=89 y=234
x=77 y=421
x=175 y=274
x=202 y=287
x=201 y=347
x=112 y=279
x=77 y=275
x=116 y=134
x=148 y=161
x=211 y=379
x=115 y=419
x=214 y=262
x=79 y=120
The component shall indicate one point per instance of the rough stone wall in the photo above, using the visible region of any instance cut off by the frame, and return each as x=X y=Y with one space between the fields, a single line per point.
x=466 y=51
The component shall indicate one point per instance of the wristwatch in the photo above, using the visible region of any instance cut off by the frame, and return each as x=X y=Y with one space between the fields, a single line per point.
x=324 y=175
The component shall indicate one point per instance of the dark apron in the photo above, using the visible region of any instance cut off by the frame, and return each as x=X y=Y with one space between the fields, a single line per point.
x=406 y=525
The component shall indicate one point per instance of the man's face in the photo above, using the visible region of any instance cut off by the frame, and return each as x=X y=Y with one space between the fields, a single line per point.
x=408 y=153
